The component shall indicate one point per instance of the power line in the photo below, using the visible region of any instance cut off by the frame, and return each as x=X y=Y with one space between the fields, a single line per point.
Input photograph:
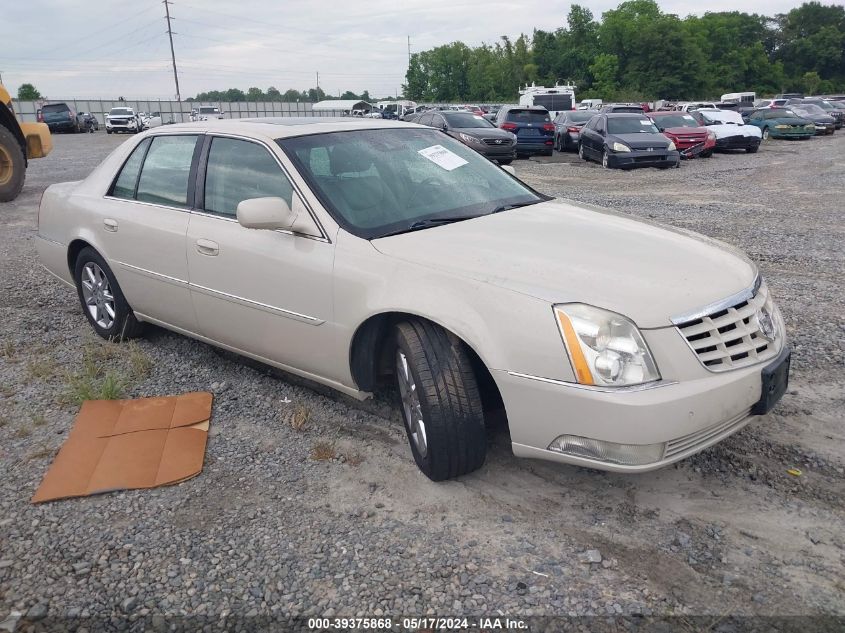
x=167 y=4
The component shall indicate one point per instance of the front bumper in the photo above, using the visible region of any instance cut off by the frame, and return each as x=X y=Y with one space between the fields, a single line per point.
x=737 y=142
x=495 y=151
x=825 y=128
x=642 y=158
x=792 y=133
x=684 y=417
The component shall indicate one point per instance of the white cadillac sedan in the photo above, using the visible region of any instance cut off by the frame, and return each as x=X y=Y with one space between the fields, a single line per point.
x=354 y=252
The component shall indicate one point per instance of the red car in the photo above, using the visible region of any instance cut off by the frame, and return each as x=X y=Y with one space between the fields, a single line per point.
x=691 y=138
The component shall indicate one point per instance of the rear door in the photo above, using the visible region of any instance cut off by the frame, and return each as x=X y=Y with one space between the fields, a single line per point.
x=144 y=223
x=267 y=293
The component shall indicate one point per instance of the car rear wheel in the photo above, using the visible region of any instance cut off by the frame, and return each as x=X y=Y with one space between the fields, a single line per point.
x=441 y=403
x=102 y=301
x=12 y=166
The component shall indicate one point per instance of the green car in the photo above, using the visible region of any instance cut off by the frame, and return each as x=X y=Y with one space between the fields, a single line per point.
x=781 y=123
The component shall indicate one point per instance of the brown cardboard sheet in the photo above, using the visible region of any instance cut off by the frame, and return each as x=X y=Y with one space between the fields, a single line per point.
x=124 y=444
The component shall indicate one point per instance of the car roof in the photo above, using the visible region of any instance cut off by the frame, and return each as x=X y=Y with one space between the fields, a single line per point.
x=282 y=127
x=624 y=115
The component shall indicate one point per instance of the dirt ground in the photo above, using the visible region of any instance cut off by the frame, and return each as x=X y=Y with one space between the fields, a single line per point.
x=727 y=531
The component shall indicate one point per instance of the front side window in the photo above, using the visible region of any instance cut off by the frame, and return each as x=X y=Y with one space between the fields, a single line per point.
x=166 y=171
x=240 y=170
x=124 y=186
x=383 y=181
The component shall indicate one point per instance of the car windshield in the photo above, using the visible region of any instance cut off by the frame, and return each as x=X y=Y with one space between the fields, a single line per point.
x=581 y=116
x=675 y=120
x=809 y=108
x=631 y=125
x=722 y=116
x=466 y=119
x=528 y=116
x=379 y=182
x=55 y=107
x=120 y=111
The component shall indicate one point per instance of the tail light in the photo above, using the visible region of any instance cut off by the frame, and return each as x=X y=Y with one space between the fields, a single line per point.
x=40 y=116
x=549 y=127
x=69 y=115
x=510 y=127
x=573 y=128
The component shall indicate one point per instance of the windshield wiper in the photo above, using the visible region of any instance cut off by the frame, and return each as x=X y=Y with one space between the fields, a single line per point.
x=429 y=222
x=516 y=205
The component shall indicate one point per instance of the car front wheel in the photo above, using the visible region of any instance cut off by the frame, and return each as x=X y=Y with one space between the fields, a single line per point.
x=765 y=134
x=581 y=153
x=441 y=403
x=102 y=301
x=605 y=159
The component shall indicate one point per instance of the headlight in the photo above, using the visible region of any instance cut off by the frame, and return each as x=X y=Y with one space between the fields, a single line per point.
x=781 y=127
x=468 y=139
x=621 y=147
x=671 y=147
x=711 y=136
x=605 y=348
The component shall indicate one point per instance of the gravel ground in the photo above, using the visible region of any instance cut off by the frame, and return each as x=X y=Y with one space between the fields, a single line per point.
x=334 y=518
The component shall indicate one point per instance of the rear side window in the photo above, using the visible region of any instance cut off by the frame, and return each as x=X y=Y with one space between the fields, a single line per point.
x=240 y=170
x=166 y=170
x=528 y=116
x=124 y=186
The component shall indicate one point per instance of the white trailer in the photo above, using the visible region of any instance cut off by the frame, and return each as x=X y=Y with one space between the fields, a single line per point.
x=556 y=99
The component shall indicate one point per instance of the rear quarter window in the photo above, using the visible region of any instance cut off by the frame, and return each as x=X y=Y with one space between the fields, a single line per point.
x=55 y=107
x=166 y=171
x=124 y=186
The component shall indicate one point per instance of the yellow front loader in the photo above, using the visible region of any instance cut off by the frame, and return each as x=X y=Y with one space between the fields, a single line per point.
x=19 y=142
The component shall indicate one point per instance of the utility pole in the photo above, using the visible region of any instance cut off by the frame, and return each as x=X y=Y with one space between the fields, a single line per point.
x=409 y=51
x=318 y=80
x=166 y=4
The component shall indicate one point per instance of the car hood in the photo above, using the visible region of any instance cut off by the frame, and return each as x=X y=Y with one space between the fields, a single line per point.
x=484 y=132
x=640 y=140
x=723 y=130
x=686 y=131
x=790 y=120
x=560 y=252
x=819 y=118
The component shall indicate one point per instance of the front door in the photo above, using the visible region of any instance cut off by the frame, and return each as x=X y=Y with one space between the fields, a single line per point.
x=267 y=293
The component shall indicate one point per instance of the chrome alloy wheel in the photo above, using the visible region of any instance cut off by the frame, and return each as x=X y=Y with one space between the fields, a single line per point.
x=411 y=404
x=99 y=300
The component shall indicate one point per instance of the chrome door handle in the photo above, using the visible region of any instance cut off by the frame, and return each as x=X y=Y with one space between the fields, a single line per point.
x=110 y=225
x=207 y=247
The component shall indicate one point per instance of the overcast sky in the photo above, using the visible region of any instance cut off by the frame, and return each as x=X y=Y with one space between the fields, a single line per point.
x=70 y=48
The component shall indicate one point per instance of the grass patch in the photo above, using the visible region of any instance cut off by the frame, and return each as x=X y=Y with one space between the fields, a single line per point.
x=7 y=349
x=93 y=381
x=354 y=458
x=139 y=362
x=38 y=419
x=44 y=452
x=4 y=421
x=323 y=450
x=6 y=391
x=299 y=417
x=23 y=432
x=42 y=368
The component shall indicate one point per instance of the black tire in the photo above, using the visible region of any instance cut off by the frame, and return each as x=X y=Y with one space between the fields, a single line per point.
x=505 y=162
x=12 y=166
x=706 y=154
x=124 y=324
x=454 y=435
x=752 y=150
x=605 y=159
x=581 y=153
x=108 y=131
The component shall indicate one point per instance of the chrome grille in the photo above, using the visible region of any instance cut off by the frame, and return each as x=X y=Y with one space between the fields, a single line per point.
x=730 y=337
x=503 y=142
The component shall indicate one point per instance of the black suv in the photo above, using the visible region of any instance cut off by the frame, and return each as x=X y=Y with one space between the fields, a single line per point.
x=532 y=126
x=60 y=117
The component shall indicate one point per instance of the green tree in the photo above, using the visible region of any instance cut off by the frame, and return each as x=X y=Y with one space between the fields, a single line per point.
x=273 y=94
x=28 y=92
x=255 y=94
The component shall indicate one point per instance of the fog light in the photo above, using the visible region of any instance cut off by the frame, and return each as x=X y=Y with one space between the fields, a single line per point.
x=608 y=452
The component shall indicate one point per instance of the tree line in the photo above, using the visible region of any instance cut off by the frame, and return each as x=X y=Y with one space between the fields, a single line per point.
x=637 y=52
x=312 y=95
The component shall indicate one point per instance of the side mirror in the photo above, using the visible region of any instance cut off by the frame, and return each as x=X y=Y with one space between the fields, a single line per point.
x=509 y=169
x=274 y=214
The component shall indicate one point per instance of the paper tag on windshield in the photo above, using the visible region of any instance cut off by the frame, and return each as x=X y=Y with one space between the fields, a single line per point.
x=441 y=156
